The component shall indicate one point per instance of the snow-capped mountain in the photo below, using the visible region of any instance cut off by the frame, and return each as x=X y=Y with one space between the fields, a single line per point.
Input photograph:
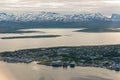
x=49 y=16
x=56 y=17
x=115 y=17
x=7 y=17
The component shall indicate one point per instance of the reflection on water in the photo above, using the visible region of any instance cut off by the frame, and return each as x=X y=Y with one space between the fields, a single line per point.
x=39 y=72
x=68 y=38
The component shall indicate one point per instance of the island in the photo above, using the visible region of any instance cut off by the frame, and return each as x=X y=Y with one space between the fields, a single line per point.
x=104 y=56
x=36 y=36
x=99 y=30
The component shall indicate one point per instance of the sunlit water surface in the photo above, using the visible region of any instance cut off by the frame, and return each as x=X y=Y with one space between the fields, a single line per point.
x=40 y=72
x=68 y=38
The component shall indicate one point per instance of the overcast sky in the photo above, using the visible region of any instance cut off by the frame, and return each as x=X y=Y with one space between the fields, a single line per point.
x=103 y=6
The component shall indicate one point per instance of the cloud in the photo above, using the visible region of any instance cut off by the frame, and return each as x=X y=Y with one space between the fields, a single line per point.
x=104 y=6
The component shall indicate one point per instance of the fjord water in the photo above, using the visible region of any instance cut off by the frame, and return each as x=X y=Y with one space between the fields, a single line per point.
x=33 y=71
x=68 y=38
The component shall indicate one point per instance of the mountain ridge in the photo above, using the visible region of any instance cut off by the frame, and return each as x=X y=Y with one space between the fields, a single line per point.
x=56 y=17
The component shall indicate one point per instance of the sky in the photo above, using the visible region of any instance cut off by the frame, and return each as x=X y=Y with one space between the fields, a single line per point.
x=106 y=7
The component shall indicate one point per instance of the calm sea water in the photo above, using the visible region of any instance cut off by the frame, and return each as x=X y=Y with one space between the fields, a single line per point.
x=40 y=72
x=68 y=38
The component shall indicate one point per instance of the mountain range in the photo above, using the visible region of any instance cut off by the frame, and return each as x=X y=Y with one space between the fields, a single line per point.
x=11 y=22
x=56 y=17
